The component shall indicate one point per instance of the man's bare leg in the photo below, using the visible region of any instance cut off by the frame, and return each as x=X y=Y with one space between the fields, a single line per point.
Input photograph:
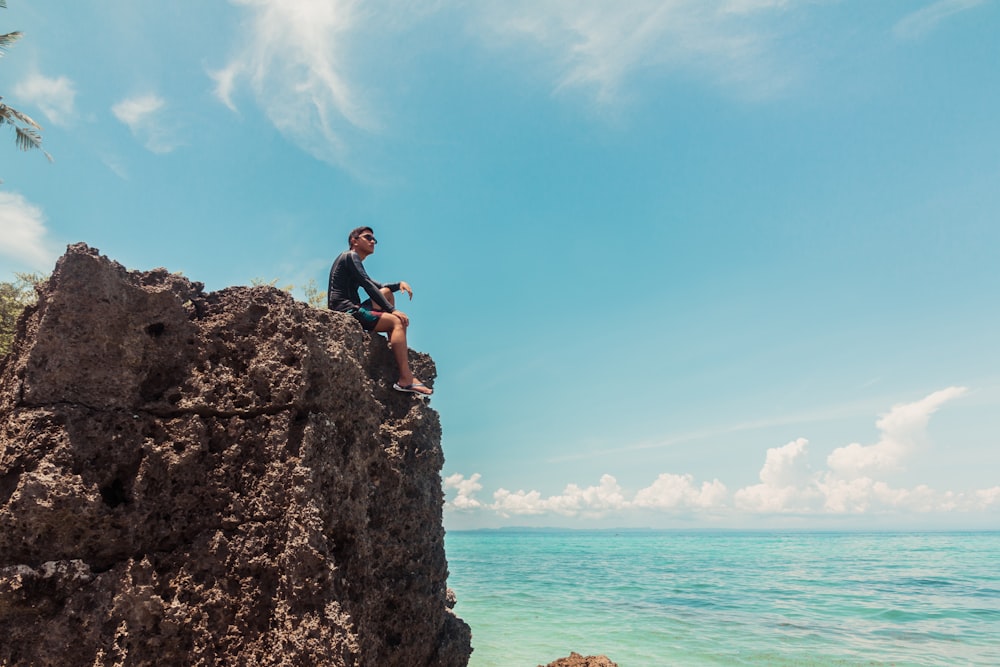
x=387 y=293
x=389 y=323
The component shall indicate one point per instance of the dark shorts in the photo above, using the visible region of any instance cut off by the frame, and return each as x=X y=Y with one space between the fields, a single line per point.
x=367 y=317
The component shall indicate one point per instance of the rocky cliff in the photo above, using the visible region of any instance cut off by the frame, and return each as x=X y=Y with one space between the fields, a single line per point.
x=226 y=478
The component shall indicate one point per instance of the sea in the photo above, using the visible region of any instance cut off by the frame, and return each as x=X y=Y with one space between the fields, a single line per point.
x=662 y=598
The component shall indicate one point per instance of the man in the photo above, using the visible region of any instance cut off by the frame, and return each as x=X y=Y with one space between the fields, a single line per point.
x=378 y=313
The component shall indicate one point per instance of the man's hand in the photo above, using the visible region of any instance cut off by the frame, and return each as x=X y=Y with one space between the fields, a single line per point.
x=405 y=287
x=404 y=320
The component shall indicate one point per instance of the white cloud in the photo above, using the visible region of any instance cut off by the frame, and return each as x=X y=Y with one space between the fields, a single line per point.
x=848 y=487
x=766 y=499
x=520 y=503
x=300 y=59
x=788 y=484
x=55 y=97
x=143 y=116
x=467 y=489
x=902 y=431
x=116 y=165
x=917 y=24
x=293 y=58
x=785 y=466
x=596 y=46
x=589 y=502
x=988 y=497
x=136 y=111
x=667 y=492
x=592 y=501
x=750 y=6
x=225 y=83
x=677 y=492
x=865 y=495
x=23 y=233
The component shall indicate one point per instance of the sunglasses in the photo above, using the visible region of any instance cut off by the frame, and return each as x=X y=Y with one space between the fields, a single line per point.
x=368 y=237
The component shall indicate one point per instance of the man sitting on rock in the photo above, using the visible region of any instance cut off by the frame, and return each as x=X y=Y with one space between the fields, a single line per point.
x=378 y=313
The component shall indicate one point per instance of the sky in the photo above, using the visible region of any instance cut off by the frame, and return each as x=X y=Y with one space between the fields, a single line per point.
x=680 y=263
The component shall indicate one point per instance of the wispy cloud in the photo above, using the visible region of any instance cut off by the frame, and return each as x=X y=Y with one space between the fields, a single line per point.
x=116 y=165
x=293 y=55
x=788 y=483
x=598 y=46
x=917 y=24
x=56 y=97
x=143 y=114
x=24 y=233
x=299 y=59
x=835 y=412
x=225 y=83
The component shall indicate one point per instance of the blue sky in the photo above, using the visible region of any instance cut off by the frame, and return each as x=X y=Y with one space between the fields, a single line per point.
x=681 y=263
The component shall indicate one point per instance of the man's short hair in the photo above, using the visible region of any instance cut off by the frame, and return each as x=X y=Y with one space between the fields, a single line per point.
x=356 y=232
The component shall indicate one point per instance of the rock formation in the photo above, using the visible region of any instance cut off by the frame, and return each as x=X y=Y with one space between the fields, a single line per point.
x=577 y=660
x=227 y=478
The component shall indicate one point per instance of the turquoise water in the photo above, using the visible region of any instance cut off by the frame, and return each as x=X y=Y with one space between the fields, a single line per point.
x=729 y=598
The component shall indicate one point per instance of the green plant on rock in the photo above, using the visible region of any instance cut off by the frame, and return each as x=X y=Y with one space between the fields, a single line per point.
x=15 y=296
x=313 y=295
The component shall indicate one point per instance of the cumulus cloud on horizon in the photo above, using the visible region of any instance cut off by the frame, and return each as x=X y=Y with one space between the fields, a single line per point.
x=788 y=483
x=902 y=430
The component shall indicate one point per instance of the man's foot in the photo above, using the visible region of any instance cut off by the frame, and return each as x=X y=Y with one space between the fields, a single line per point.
x=413 y=388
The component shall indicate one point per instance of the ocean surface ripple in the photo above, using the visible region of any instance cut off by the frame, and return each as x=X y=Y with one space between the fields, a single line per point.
x=652 y=598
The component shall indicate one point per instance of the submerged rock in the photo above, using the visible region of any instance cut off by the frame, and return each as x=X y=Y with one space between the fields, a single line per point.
x=576 y=660
x=191 y=478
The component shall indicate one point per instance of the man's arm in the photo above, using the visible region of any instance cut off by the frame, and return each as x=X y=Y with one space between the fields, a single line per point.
x=370 y=286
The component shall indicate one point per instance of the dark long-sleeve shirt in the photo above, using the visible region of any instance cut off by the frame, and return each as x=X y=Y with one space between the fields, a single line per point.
x=347 y=276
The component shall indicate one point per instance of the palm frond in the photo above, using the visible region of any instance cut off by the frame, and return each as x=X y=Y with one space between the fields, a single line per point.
x=7 y=39
x=28 y=139
x=7 y=113
x=26 y=130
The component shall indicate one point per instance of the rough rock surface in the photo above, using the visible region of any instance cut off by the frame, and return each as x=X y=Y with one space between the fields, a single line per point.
x=576 y=660
x=227 y=478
